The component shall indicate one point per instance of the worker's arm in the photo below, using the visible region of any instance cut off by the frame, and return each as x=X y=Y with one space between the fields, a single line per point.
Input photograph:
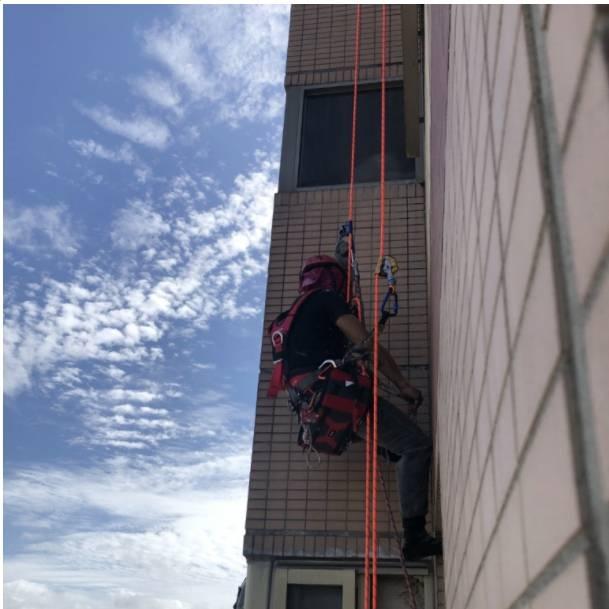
x=356 y=332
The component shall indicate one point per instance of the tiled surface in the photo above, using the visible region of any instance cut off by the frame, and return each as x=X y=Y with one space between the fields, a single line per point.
x=525 y=226
x=511 y=161
x=506 y=457
x=568 y=32
x=317 y=511
x=508 y=29
x=585 y=171
x=568 y=591
x=321 y=44
x=537 y=349
x=597 y=345
x=510 y=538
x=326 y=500
x=548 y=485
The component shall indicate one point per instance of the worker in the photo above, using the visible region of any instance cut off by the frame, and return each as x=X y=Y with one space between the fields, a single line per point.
x=322 y=330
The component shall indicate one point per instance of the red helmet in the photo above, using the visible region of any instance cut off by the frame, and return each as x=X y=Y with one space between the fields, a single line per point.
x=322 y=273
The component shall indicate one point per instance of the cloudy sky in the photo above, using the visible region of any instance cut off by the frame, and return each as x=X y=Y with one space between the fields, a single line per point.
x=141 y=148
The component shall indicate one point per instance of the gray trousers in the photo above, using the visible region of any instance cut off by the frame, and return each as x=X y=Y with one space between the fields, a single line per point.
x=398 y=433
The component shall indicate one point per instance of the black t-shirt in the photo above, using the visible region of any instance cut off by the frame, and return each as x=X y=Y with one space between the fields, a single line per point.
x=314 y=336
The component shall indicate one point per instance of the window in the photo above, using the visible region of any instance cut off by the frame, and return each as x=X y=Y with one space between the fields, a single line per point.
x=301 y=588
x=303 y=596
x=325 y=149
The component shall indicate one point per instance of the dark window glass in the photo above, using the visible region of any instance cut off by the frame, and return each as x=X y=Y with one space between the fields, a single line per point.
x=314 y=597
x=325 y=149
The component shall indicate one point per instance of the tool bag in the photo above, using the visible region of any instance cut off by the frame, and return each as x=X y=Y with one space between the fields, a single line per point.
x=330 y=404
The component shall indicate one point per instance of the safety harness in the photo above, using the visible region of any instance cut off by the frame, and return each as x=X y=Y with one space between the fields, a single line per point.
x=330 y=401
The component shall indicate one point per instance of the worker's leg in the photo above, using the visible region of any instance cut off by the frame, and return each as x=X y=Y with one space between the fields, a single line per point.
x=399 y=434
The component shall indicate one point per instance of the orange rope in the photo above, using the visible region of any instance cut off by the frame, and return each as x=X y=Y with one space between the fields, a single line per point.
x=353 y=142
x=376 y=327
x=350 y=260
x=367 y=516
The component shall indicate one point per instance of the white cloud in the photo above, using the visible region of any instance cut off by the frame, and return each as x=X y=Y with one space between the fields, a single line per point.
x=143 y=174
x=140 y=129
x=114 y=372
x=244 y=78
x=124 y=154
x=208 y=366
x=157 y=90
x=184 y=189
x=112 y=313
x=90 y=148
x=172 y=529
x=39 y=228
x=67 y=376
x=25 y=594
x=137 y=225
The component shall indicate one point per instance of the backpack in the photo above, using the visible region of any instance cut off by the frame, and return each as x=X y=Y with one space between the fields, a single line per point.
x=330 y=402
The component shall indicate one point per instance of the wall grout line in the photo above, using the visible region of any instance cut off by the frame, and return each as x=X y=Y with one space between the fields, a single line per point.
x=557 y=565
x=583 y=72
x=599 y=277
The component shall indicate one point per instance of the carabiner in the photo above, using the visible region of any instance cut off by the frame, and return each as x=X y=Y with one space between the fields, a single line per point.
x=389 y=306
x=325 y=367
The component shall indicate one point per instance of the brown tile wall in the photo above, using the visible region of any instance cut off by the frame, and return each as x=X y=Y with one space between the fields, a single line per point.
x=509 y=453
x=321 y=44
x=317 y=511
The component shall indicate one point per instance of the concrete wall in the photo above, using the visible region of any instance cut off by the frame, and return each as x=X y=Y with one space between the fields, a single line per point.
x=519 y=236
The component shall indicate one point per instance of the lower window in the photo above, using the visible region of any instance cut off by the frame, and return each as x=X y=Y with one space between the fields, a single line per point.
x=306 y=596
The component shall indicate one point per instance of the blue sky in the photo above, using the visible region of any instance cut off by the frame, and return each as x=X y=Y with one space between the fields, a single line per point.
x=141 y=148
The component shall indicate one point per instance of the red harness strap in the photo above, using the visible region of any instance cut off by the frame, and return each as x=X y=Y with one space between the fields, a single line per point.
x=278 y=332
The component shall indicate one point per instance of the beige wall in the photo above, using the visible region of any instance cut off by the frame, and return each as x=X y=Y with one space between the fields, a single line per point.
x=295 y=511
x=521 y=337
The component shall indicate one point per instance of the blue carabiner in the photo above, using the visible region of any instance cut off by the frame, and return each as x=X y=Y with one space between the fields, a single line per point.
x=346 y=229
x=389 y=306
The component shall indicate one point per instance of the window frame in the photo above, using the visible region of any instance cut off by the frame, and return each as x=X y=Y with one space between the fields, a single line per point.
x=292 y=138
x=349 y=577
x=282 y=576
x=329 y=90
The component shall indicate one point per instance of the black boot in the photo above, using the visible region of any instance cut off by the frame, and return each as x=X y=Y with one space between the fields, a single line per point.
x=419 y=543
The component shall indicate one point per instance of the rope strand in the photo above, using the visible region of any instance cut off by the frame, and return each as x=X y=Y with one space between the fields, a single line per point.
x=376 y=308
x=353 y=146
x=398 y=541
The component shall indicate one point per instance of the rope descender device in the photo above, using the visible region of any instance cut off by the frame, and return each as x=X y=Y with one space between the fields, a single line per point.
x=387 y=266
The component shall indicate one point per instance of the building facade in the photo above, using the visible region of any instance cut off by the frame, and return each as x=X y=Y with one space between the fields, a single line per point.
x=498 y=216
